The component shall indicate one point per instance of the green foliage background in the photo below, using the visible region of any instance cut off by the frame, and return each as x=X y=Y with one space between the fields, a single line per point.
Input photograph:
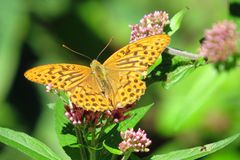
x=202 y=108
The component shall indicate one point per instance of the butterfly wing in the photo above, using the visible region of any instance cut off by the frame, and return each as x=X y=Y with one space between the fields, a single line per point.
x=127 y=65
x=77 y=80
x=58 y=76
x=89 y=96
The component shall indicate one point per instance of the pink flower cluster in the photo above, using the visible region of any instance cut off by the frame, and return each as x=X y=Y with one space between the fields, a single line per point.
x=220 y=41
x=149 y=25
x=77 y=115
x=135 y=141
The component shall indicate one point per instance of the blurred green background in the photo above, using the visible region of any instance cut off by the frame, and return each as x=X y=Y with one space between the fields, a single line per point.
x=203 y=107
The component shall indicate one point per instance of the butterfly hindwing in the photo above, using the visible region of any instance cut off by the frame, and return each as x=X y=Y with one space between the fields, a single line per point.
x=128 y=89
x=90 y=96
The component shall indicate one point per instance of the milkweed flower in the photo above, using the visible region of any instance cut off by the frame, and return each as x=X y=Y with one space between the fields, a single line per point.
x=220 y=41
x=135 y=141
x=78 y=115
x=150 y=24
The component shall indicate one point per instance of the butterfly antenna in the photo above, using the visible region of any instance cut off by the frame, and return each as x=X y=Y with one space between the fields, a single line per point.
x=104 y=48
x=85 y=56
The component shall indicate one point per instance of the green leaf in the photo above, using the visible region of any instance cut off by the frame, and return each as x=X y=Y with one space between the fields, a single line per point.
x=188 y=98
x=136 y=116
x=65 y=131
x=178 y=74
x=61 y=122
x=176 y=21
x=196 y=152
x=27 y=144
x=156 y=63
x=111 y=130
x=173 y=69
x=112 y=150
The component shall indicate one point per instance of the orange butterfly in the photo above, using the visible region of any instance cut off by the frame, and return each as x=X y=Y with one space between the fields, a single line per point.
x=111 y=85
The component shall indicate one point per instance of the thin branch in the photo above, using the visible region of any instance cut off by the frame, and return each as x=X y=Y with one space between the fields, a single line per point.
x=177 y=52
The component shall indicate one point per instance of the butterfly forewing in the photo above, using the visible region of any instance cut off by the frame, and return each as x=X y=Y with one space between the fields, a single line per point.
x=137 y=56
x=127 y=65
x=59 y=76
x=77 y=80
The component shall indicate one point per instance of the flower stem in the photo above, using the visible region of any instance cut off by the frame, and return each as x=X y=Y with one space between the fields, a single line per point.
x=114 y=157
x=83 y=153
x=92 y=151
x=177 y=52
x=126 y=155
x=99 y=136
x=92 y=154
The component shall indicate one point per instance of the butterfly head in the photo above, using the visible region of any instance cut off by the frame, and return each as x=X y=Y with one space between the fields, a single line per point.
x=95 y=65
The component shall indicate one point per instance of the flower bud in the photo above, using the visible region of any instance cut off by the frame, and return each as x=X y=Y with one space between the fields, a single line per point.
x=136 y=141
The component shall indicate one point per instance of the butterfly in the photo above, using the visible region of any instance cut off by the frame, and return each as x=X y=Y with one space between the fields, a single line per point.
x=108 y=86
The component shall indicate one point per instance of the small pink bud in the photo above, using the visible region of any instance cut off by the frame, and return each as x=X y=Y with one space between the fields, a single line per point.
x=67 y=114
x=71 y=119
x=48 y=88
x=75 y=122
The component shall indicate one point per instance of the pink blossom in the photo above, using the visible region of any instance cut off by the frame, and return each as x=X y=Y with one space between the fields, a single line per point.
x=78 y=115
x=136 y=141
x=150 y=24
x=220 y=41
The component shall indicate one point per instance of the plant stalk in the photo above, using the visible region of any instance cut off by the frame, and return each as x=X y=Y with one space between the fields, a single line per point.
x=92 y=151
x=92 y=154
x=186 y=54
x=83 y=153
x=114 y=157
x=126 y=155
